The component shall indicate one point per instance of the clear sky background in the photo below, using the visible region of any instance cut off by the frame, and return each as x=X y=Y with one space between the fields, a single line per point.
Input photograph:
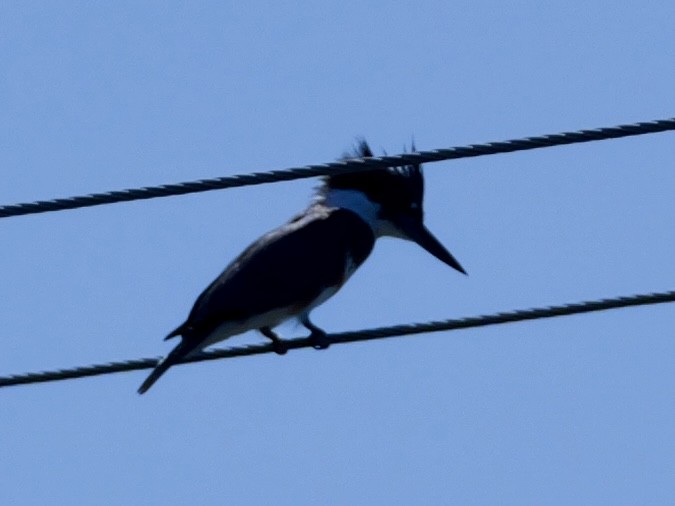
x=97 y=96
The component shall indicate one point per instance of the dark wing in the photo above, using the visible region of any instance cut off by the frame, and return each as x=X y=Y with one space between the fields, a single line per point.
x=287 y=267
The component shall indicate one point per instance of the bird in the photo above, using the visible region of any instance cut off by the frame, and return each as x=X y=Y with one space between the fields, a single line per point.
x=291 y=270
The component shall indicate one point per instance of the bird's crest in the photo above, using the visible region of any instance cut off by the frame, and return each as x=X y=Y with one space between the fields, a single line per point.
x=391 y=186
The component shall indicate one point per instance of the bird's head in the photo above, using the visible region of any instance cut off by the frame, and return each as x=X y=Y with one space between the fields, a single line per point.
x=390 y=200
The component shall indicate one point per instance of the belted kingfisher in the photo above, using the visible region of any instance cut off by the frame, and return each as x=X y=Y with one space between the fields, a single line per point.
x=294 y=268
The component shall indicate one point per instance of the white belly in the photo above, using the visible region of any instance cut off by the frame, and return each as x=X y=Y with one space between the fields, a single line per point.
x=228 y=329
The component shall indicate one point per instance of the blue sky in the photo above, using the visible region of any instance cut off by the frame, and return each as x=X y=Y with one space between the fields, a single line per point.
x=95 y=97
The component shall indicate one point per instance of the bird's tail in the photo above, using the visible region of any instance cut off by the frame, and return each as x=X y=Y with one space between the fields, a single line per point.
x=176 y=355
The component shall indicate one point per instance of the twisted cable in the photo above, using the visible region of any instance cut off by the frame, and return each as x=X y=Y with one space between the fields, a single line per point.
x=351 y=337
x=338 y=167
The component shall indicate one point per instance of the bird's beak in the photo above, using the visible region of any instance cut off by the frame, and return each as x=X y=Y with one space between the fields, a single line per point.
x=416 y=231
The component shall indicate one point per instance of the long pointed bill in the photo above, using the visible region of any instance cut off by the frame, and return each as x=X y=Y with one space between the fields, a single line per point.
x=418 y=233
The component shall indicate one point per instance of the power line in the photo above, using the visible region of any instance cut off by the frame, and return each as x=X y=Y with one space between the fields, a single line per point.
x=353 y=165
x=351 y=337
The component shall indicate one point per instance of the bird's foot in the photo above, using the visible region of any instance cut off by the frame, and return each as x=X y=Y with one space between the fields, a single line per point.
x=279 y=347
x=319 y=339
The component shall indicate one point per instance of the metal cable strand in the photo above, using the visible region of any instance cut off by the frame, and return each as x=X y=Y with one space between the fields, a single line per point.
x=324 y=169
x=351 y=337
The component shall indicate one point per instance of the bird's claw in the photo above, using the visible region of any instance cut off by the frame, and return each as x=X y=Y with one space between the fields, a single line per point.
x=279 y=348
x=320 y=340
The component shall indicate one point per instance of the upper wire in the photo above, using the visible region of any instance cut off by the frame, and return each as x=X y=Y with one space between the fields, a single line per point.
x=342 y=166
